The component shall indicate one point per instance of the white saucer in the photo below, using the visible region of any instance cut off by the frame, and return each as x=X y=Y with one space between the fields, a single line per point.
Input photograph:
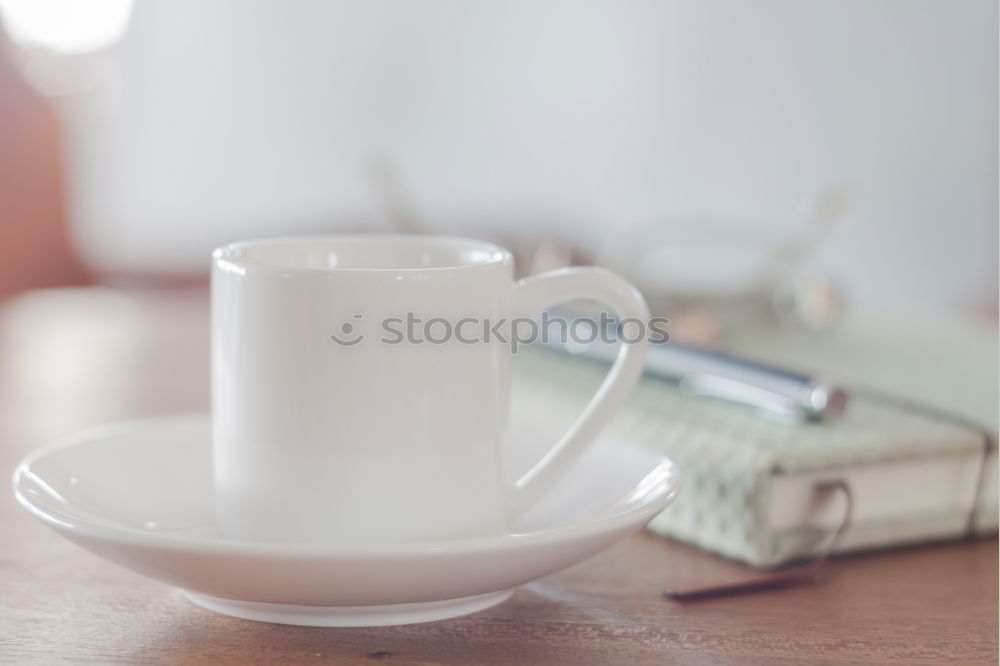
x=140 y=494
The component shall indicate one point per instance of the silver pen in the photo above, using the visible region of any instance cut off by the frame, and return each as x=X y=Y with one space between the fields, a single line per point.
x=779 y=394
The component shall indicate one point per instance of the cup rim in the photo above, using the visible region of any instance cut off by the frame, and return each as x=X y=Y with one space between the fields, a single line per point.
x=228 y=255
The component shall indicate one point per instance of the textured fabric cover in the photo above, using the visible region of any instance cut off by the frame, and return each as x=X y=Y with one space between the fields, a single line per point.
x=729 y=456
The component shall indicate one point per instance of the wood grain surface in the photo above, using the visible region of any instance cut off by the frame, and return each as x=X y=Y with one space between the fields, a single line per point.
x=76 y=358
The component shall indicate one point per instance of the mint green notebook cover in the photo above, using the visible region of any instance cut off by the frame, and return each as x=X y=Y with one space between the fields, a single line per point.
x=737 y=468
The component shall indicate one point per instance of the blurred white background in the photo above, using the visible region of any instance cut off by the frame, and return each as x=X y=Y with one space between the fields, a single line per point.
x=213 y=121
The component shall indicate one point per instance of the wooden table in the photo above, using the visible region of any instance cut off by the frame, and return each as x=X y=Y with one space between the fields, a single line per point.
x=76 y=358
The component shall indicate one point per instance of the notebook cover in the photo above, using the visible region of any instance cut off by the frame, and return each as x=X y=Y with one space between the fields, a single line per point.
x=732 y=461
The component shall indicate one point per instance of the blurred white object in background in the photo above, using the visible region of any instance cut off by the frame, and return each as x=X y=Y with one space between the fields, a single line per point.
x=239 y=118
x=66 y=26
x=719 y=272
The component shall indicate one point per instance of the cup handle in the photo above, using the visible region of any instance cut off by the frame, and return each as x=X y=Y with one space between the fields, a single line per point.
x=533 y=295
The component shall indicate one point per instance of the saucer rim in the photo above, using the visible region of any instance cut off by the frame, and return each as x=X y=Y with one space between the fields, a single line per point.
x=114 y=532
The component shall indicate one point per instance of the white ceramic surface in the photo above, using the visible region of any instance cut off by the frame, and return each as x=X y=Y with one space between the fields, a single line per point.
x=331 y=425
x=140 y=494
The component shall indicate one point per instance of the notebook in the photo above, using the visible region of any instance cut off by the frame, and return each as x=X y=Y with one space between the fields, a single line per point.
x=747 y=483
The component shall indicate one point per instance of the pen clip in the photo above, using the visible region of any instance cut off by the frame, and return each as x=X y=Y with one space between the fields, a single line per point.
x=772 y=405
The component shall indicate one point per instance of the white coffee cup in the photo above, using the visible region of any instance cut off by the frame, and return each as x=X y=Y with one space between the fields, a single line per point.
x=332 y=426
